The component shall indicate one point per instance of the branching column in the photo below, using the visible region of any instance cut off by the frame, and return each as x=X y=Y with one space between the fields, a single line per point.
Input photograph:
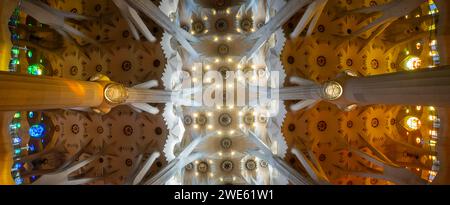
x=23 y=92
x=422 y=87
x=308 y=92
x=148 y=96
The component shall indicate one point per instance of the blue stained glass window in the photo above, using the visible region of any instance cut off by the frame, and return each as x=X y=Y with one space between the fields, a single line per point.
x=433 y=7
x=17 y=140
x=37 y=131
x=31 y=148
x=18 y=180
x=17 y=166
x=15 y=37
x=31 y=114
x=17 y=151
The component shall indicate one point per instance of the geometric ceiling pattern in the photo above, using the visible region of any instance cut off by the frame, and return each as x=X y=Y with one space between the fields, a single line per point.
x=176 y=45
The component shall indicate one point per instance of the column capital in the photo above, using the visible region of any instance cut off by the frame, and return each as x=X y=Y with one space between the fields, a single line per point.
x=115 y=93
x=332 y=90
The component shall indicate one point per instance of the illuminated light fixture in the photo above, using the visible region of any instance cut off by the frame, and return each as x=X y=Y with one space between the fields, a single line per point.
x=350 y=107
x=433 y=133
x=418 y=46
x=411 y=123
x=418 y=140
x=432 y=118
x=433 y=53
x=412 y=63
x=433 y=43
